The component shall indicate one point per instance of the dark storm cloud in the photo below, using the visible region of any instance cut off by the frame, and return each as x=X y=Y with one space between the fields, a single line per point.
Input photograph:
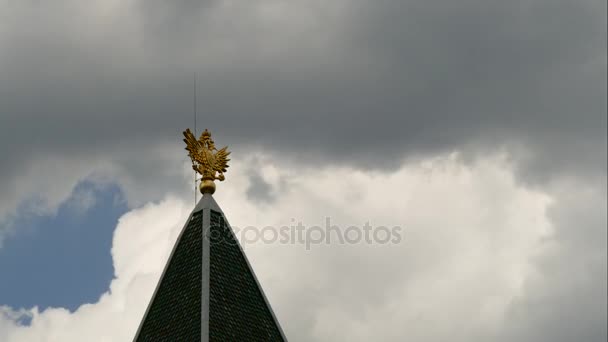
x=259 y=189
x=403 y=78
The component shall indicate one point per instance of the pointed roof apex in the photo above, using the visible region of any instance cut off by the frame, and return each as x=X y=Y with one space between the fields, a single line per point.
x=207 y=202
x=208 y=291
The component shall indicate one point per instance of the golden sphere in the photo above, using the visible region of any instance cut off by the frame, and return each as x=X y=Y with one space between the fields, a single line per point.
x=207 y=186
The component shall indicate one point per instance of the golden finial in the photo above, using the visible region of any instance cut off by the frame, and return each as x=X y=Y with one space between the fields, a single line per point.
x=208 y=164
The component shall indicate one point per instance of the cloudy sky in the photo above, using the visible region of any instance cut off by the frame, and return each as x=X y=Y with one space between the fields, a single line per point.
x=478 y=127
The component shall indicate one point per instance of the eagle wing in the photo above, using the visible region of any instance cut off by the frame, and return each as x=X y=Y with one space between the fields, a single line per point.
x=195 y=150
x=221 y=159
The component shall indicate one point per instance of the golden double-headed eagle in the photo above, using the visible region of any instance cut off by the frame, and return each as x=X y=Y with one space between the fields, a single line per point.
x=207 y=160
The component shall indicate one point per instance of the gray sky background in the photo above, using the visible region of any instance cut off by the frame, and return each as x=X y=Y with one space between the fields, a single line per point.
x=104 y=89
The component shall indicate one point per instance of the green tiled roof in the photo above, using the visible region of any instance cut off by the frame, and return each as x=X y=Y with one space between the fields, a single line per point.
x=175 y=312
x=230 y=307
x=237 y=308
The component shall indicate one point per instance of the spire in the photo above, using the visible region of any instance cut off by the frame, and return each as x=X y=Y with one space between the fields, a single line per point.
x=208 y=291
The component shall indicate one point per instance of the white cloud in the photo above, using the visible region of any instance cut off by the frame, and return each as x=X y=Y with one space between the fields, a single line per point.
x=469 y=234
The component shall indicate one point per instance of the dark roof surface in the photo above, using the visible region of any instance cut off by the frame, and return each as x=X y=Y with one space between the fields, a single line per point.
x=175 y=312
x=237 y=309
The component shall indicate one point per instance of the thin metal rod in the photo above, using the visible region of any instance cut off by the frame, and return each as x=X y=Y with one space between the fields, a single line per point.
x=195 y=135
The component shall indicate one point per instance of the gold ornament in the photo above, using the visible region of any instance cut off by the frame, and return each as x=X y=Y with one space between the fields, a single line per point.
x=207 y=160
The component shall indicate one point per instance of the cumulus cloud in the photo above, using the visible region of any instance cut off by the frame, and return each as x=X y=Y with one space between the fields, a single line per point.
x=470 y=233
